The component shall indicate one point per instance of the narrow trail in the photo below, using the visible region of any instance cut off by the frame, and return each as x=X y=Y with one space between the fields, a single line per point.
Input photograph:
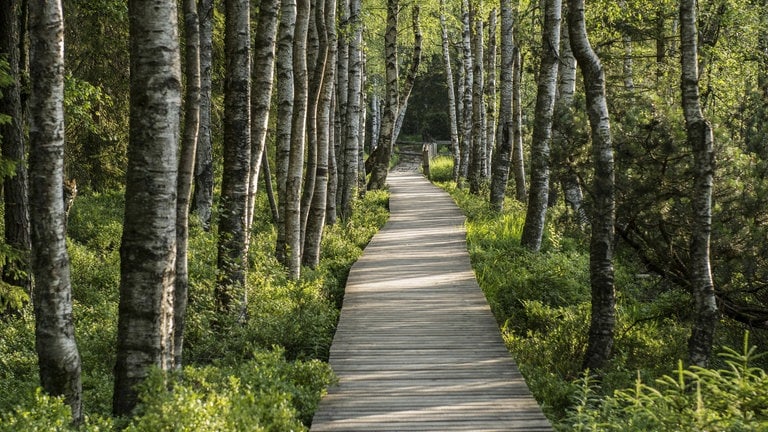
x=417 y=348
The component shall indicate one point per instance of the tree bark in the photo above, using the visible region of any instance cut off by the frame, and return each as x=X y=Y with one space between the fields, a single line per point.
x=57 y=352
x=262 y=75
x=490 y=96
x=451 y=95
x=186 y=172
x=148 y=249
x=410 y=78
x=317 y=211
x=501 y=157
x=350 y=145
x=601 y=244
x=232 y=245
x=16 y=204
x=292 y=197
x=202 y=200
x=381 y=155
x=285 y=101
x=466 y=141
x=701 y=141
x=542 y=128
x=518 y=161
x=477 y=154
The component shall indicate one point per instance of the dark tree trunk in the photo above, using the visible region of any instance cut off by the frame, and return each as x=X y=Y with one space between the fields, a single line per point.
x=533 y=229
x=603 y=219
x=148 y=249
x=16 y=216
x=701 y=141
x=232 y=246
x=57 y=352
x=202 y=200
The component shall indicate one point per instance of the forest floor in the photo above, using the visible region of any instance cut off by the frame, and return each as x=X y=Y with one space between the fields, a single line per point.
x=417 y=347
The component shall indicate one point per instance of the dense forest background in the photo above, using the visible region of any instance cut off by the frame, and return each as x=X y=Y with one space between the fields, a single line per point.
x=203 y=174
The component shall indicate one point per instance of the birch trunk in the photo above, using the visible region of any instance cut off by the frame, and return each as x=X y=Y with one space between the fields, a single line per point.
x=518 y=161
x=58 y=356
x=15 y=193
x=148 y=249
x=298 y=137
x=451 y=95
x=333 y=172
x=186 y=173
x=317 y=211
x=466 y=142
x=603 y=319
x=381 y=155
x=490 y=95
x=349 y=167
x=342 y=96
x=701 y=141
x=410 y=78
x=501 y=157
x=262 y=75
x=202 y=200
x=285 y=100
x=232 y=245
x=542 y=128
x=477 y=153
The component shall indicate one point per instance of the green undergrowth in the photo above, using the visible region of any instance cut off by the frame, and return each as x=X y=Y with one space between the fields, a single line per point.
x=541 y=302
x=267 y=373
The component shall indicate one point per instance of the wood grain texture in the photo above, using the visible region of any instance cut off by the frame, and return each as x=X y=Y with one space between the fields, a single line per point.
x=417 y=348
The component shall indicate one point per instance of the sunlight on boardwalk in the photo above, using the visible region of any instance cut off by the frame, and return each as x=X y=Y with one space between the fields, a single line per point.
x=417 y=348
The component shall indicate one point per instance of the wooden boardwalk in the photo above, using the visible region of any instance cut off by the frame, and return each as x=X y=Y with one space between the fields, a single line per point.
x=417 y=348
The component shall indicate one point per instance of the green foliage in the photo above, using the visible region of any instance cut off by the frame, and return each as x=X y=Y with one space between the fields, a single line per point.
x=441 y=169
x=49 y=414
x=733 y=398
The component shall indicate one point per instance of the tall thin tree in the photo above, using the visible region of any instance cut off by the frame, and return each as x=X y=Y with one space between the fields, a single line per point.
x=148 y=249
x=535 y=216
x=701 y=141
x=601 y=242
x=57 y=352
x=451 y=92
x=503 y=153
x=351 y=143
x=202 y=200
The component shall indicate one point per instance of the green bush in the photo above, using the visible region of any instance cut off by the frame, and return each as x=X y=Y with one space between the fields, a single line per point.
x=441 y=169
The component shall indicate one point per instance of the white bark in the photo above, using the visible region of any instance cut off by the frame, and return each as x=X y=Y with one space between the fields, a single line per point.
x=451 y=95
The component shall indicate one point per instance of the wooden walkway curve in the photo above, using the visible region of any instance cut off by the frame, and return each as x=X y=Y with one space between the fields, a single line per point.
x=417 y=348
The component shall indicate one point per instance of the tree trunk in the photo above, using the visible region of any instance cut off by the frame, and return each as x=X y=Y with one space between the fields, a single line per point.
x=349 y=167
x=451 y=96
x=466 y=141
x=16 y=215
x=202 y=200
x=561 y=131
x=542 y=128
x=262 y=76
x=501 y=157
x=285 y=99
x=603 y=219
x=383 y=150
x=490 y=95
x=477 y=154
x=410 y=78
x=317 y=211
x=292 y=197
x=342 y=96
x=333 y=171
x=57 y=352
x=232 y=246
x=186 y=172
x=148 y=249
x=518 y=161
x=701 y=141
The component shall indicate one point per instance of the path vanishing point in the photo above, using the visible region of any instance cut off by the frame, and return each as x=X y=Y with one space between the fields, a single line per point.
x=417 y=348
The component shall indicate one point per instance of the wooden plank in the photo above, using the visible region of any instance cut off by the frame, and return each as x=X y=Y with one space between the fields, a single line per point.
x=417 y=348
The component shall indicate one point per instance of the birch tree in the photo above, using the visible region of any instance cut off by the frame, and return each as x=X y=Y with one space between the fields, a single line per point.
x=518 y=162
x=701 y=141
x=490 y=95
x=186 y=172
x=202 y=200
x=542 y=127
x=603 y=318
x=451 y=95
x=15 y=200
x=503 y=153
x=351 y=143
x=326 y=20
x=466 y=136
x=57 y=352
x=148 y=249
x=477 y=152
x=232 y=246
